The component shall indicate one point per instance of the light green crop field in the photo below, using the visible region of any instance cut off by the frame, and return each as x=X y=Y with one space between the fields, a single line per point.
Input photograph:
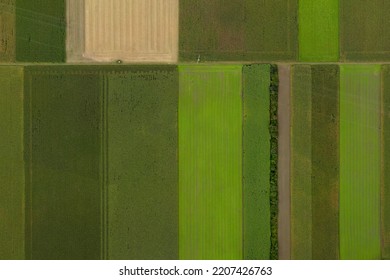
x=301 y=163
x=364 y=30
x=360 y=88
x=325 y=162
x=238 y=30
x=256 y=162
x=210 y=162
x=385 y=192
x=318 y=30
x=11 y=164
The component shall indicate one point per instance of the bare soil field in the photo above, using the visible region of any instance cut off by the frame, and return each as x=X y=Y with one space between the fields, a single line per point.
x=127 y=30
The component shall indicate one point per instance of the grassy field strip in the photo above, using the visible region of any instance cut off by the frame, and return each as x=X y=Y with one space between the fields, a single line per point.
x=142 y=163
x=284 y=193
x=325 y=162
x=210 y=162
x=256 y=163
x=364 y=30
x=301 y=163
x=318 y=30
x=385 y=182
x=12 y=172
x=360 y=162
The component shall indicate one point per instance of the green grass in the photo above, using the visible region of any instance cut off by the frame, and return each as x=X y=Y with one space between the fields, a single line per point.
x=385 y=198
x=301 y=163
x=7 y=30
x=360 y=88
x=142 y=162
x=364 y=30
x=210 y=162
x=318 y=30
x=40 y=31
x=63 y=197
x=11 y=164
x=256 y=162
x=325 y=162
x=238 y=30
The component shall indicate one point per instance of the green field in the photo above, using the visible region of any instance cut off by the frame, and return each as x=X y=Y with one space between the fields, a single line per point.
x=238 y=30
x=210 y=162
x=256 y=163
x=364 y=30
x=7 y=30
x=11 y=164
x=385 y=188
x=360 y=88
x=301 y=163
x=63 y=191
x=318 y=30
x=325 y=161
x=40 y=30
x=142 y=182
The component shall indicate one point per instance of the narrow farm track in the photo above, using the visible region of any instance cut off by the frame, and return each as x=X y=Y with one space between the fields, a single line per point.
x=284 y=162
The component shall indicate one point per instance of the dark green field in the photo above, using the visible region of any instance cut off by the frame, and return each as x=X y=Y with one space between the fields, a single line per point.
x=7 y=30
x=40 y=30
x=64 y=164
x=325 y=161
x=102 y=167
x=256 y=163
x=364 y=30
x=238 y=30
x=141 y=119
x=11 y=164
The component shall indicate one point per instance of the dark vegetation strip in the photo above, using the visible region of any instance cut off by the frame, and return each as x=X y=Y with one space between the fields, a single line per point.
x=325 y=161
x=256 y=164
x=273 y=128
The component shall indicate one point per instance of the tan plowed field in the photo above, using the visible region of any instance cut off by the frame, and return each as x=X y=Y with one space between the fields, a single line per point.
x=128 y=30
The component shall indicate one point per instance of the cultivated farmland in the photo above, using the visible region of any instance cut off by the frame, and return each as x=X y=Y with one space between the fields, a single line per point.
x=129 y=30
x=364 y=30
x=7 y=30
x=256 y=162
x=142 y=172
x=325 y=161
x=314 y=162
x=301 y=163
x=318 y=30
x=210 y=162
x=360 y=162
x=238 y=30
x=40 y=31
x=12 y=181
x=385 y=180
